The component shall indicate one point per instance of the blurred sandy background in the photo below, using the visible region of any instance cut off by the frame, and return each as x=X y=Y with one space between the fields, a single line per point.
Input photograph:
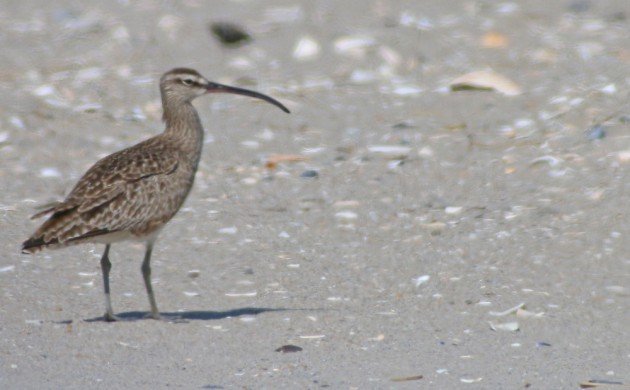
x=402 y=234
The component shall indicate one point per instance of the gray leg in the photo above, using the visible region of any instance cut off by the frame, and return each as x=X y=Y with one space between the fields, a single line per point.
x=106 y=266
x=146 y=274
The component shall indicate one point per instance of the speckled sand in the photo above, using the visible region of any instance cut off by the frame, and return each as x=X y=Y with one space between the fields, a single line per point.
x=386 y=226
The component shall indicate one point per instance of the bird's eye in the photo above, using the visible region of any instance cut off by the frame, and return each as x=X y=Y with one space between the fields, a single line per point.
x=187 y=81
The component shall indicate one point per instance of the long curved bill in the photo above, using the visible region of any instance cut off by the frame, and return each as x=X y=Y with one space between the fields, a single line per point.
x=220 y=88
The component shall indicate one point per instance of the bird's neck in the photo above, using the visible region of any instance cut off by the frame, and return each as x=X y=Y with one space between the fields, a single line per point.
x=184 y=127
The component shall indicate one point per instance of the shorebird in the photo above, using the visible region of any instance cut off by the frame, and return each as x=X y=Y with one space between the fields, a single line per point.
x=133 y=193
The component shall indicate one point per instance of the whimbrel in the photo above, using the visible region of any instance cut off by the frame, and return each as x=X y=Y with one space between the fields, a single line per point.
x=133 y=193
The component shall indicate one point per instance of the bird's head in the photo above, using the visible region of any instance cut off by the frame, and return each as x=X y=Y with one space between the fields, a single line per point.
x=184 y=85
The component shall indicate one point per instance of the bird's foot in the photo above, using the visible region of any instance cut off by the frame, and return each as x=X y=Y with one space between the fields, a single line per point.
x=155 y=315
x=110 y=317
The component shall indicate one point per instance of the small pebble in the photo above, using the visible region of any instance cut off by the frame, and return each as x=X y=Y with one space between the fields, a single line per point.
x=137 y=114
x=610 y=89
x=353 y=45
x=306 y=49
x=596 y=132
x=120 y=34
x=408 y=378
x=228 y=230
x=486 y=81
x=624 y=156
x=169 y=23
x=407 y=90
x=289 y=348
x=347 y=203
x=49 y=172
x=453 y=210
x=250 y=181
x=470 y=380
x=251 y=144
x=523 y=123
x=44 y=90
x=17 y=122
x=409 y=20
x=420 y=280
x=89 y=74
x=266 y=134
x=507 y=8
x=246 y=294
x=241 y=63
x=316 y=150
x=404 y=125
x=361 y=76
x=550 y=160
x=309 y=174
x=390 y=56
x=194 y=273
x=88 y=107
x=425 y=152
x=346 y=214
x=395 y=164
x=508 y=326
x=229 y=34
x=394 y=152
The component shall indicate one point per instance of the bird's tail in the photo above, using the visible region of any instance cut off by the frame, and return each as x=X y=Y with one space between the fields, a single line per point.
x=34 y=244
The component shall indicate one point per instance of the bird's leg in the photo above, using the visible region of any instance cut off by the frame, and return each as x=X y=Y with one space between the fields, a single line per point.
x=146 y=274
x=106 y=266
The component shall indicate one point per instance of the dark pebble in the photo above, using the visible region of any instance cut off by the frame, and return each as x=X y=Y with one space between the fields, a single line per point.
x=543 y=344
x=605 y=382
x=596 y=132
x=309 y=174
x=62 y=322
x=403 y=125
x=229 y=34
x=408 y=378
x=289 y=348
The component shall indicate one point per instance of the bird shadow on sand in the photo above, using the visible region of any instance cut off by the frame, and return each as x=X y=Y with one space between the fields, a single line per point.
x=186 y=316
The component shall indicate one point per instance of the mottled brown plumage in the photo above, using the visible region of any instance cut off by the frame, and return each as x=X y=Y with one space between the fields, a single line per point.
x=133 y=193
